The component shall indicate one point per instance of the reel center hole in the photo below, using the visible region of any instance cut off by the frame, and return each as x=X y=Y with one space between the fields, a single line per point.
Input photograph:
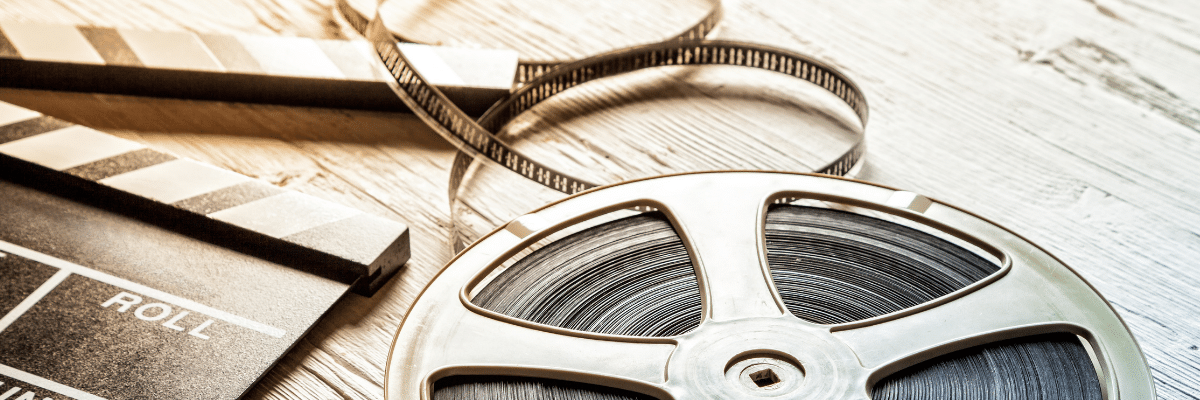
x=765 y=374
x=764 y=378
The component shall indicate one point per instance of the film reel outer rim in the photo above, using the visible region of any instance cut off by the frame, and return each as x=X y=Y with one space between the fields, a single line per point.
x=1117 y=351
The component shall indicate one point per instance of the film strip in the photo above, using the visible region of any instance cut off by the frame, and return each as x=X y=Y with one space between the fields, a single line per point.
x=476 y=138
x=133 y=273
x=357 y=16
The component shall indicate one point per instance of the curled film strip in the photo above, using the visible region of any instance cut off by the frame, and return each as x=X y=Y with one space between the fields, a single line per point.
x=476 y=138
x=679 y=302
x=355 y=15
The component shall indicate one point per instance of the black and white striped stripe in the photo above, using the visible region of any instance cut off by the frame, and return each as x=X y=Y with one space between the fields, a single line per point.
x=360 y=248
x=245 y=68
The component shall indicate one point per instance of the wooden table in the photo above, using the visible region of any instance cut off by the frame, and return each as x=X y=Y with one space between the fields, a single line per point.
x=1074 y=123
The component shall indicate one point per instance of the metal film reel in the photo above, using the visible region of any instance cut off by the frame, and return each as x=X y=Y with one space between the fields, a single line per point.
x=749 y=341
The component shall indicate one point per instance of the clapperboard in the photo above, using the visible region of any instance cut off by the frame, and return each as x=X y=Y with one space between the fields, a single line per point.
x=240 y=68
x=130 y=273
x=134 y=274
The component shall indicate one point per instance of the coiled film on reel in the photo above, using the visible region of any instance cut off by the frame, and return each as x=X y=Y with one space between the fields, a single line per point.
x=1027 y=311
x=444 y=352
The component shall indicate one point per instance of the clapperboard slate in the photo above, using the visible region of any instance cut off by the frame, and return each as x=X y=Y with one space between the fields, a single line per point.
x=240 y=68
x=130 y=273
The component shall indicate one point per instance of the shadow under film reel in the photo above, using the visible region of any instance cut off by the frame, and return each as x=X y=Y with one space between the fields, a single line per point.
x=727 y=288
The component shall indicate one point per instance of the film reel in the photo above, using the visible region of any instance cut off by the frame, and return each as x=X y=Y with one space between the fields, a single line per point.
x=609 y=312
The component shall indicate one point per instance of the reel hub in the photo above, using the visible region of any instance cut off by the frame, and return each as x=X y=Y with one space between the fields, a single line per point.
x=781 y=357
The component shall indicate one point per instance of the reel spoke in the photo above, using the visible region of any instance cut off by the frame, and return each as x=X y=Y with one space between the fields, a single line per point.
x=1014 y=305
x=486 y=345
x=724 y=235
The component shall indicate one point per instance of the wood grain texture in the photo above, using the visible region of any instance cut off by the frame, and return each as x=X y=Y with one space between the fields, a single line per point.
x=542 y=30
x=1075 y=123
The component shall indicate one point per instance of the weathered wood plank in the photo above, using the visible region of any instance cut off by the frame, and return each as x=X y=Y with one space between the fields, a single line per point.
x=1074 y=123
x=542 y=30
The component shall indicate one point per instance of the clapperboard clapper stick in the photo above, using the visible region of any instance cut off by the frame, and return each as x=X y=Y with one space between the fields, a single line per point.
x=132 y=273
x=242 y=68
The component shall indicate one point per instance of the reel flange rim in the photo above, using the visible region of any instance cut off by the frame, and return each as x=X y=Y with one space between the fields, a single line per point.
x=443 y=320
